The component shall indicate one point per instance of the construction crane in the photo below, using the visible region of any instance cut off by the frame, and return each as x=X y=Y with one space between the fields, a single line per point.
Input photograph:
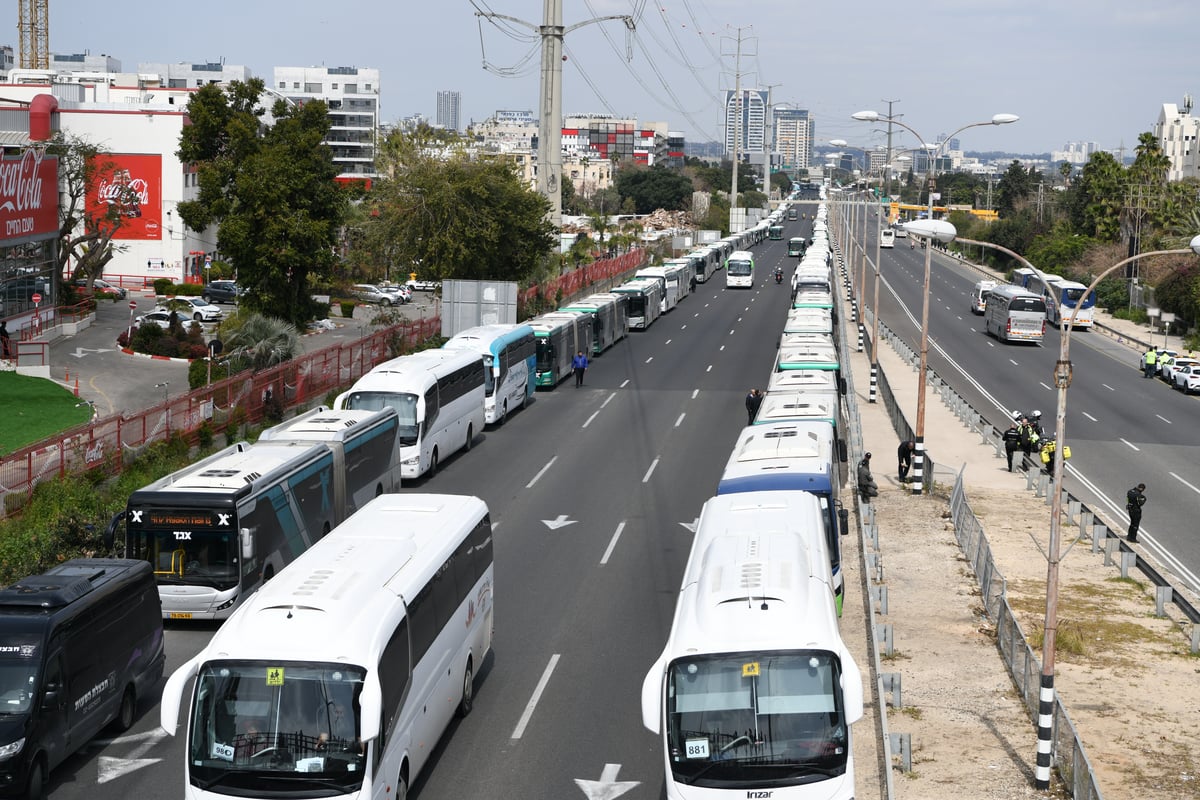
x=34 y=25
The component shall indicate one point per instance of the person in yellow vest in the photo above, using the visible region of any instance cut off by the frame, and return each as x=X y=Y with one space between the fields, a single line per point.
x=1047 y=454
x=1149 y=360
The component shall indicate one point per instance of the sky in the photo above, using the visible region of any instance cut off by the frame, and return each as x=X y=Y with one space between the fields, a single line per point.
x=1071 y=70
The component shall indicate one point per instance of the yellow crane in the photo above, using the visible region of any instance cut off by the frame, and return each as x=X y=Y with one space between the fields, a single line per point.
x=34 y=25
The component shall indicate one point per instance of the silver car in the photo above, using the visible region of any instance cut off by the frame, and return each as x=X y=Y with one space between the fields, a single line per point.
x=370 y=293
x=194 y=307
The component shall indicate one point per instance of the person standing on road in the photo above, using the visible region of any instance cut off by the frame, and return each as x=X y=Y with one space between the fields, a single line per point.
x=1148 y=362
x=1012 y=442
x=1134 y=500
x=904 y=456
x=579 y=363
x=753 y=401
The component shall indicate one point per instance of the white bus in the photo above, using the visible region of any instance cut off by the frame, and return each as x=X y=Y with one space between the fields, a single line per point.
x=672 y=279
x=215 y=530
x=438 y=395
x=340 y=676
x=887 y=238
x=509 y=355
x=809 y=320
x=798 y=405
x=1064 y=298
x=610 y=323
x=1013 y=314
x=755 y=692
x=645 y=302
x=739 y=270
x=795 y=457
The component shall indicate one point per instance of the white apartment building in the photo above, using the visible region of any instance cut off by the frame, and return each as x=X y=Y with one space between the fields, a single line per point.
x=194 y=76
x=352 y=94
x=1177 y=132
x=793 y=137
x=449 y=105
x=1077 y=153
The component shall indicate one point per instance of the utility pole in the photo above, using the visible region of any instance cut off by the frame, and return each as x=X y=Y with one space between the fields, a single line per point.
x=888 y=188
x=552 y=31
x=737 y=129
x=770 y=138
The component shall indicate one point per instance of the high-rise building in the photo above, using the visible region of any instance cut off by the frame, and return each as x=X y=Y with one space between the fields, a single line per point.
x=751 y=128
x=1178 y=134
x=448 y=105
x=352 y=95
x=793 y=137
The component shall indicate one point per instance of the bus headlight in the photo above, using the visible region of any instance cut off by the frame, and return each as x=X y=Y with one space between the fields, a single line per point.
x=411 y=462
x=9 y=750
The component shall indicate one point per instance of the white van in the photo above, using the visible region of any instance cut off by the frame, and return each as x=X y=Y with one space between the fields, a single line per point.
x=887 y=238
x=979 y=296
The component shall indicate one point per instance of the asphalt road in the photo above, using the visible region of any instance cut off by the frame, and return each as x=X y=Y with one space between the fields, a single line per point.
x=592 y=491
x=1122 y=428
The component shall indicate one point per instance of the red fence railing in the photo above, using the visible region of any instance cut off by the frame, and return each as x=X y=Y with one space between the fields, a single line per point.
x=575 y=281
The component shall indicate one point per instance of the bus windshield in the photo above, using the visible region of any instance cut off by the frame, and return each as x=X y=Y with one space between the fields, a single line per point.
x=637 y=305
x=277 y=727
x=739 y=267
x=208 y=556
x=404 y=403
x=1071 y=296
x=545 y=354
x=18 y=676
x=756 y=719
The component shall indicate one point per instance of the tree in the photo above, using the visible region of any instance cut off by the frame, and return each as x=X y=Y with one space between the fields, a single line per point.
x=85 y=235
x=1015 y=185
x=456 y=216
x=270 y=190
x=654 y=188
x=1097 y=196
x=259 y=342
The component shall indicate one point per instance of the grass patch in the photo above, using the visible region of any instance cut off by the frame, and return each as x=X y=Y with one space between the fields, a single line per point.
x=35 y=409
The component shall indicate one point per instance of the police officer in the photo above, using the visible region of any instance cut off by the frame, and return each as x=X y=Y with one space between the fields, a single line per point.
x=1012 y=440
x=1134 y=500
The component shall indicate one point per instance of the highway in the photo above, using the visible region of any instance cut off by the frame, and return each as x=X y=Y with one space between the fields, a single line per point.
x=593 y=493
x=1122 y=429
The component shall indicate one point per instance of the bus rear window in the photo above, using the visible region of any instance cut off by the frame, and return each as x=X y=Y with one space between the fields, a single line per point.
x=1027 y=304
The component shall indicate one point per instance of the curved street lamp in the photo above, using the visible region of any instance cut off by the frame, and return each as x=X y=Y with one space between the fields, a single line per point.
x=1063 y=373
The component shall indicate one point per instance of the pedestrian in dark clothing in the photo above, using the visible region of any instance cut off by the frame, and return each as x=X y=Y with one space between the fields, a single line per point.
x=904 y=456
x=866 y=481
x=1012 y=442
x=5 y=341
x=1134 y=500
x=753 y=401
x=579 y=363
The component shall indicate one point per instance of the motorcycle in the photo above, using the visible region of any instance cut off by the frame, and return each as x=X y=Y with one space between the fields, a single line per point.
x=779 y=276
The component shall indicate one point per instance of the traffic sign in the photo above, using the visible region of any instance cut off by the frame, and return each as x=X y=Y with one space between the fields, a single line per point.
x=37 y=298
x=132 y=305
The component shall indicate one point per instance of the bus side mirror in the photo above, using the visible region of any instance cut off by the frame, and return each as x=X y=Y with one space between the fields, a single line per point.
x=246 y=538
x=110 y=532
x=843 y=521
x=172 y=695
x=652 y=687
x=370 y=705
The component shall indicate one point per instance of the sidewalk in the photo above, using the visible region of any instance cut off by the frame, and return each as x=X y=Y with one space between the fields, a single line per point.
x=971 y=735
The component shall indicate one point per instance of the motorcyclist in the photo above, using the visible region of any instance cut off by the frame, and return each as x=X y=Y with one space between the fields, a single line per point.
x=779 y=274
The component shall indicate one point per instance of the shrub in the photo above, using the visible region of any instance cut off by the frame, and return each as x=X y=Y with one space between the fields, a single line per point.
x=347 y=308
x=164 y=286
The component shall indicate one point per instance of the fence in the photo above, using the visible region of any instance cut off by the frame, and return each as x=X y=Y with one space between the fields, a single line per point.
x=240 y=399
x=1068 y=752
x=573 y=282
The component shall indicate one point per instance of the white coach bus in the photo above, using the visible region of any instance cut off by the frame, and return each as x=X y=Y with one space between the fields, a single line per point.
x=439 y=396
x=340 y=675
x=755 y=692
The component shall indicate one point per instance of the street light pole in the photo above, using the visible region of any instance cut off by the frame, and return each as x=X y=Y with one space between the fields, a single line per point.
x=1063 y=372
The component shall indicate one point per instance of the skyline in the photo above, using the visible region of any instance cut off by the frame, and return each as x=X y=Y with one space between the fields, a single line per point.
x=1071 y=73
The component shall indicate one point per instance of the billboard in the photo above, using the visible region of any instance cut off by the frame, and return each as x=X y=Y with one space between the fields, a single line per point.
x=28 y=197
x=132 y=185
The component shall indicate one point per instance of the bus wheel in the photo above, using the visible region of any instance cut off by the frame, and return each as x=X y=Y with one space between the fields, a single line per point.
x=35 y=788
x=468 y=692
x=433 y=462
x=470 y=437
x=128 y=710
x=503 y=413
x=402 y=785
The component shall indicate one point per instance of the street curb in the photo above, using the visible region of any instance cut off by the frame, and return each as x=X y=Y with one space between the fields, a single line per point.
x=129 y=352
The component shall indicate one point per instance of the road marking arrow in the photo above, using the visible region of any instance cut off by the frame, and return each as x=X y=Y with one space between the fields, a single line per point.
x=561 y=522
x=691 y=526
x=608 y=787
x=110 y=768
x=80 y=352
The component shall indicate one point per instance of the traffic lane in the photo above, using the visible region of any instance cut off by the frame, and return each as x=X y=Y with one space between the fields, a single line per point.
x=144 y=761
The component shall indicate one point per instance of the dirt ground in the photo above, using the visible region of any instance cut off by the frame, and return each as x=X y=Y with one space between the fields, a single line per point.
x=1126 y=678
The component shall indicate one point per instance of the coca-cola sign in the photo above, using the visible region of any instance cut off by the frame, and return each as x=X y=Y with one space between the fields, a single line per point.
x=132 y=186
x=28 y=197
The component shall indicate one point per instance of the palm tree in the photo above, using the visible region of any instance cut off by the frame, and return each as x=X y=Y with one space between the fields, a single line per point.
x=260 y=342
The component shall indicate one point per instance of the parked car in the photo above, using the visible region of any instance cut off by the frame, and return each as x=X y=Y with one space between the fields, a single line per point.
x=160 y=317
x=221 y=292
x=1187 y=379
x=195 y=307
x=424 y=286
x=100 y=286
x=370 y=293
x=1162 y=355
x=1171 y=365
